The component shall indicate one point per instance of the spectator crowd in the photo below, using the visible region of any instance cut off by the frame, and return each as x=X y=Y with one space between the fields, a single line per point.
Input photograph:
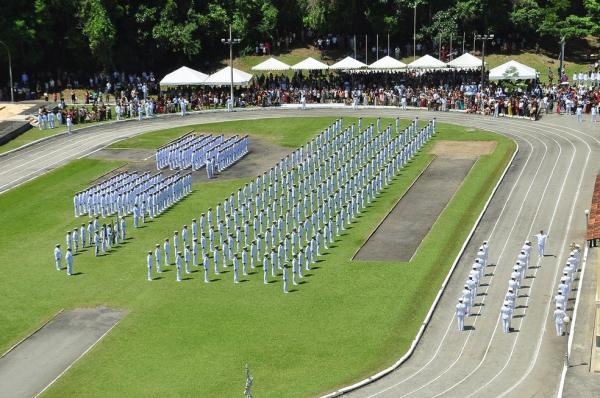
x=137 y=96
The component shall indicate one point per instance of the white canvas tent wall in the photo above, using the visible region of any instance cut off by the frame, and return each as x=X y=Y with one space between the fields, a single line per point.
x=348 y=63
x=387 y=63
x=223 y=77
x=310 y=64
x=426 y=62
x=465 y=61
x=183 y=76
x=271 y=64
x=513 y=70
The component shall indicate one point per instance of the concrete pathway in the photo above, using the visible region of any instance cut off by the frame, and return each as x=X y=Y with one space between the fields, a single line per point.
x=35 y=363
x=401 y=232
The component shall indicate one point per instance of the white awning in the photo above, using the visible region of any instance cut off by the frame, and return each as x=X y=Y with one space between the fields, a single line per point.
x=183 y=76
x=271 y=64
x=465 y=61
x=223 y=77
x=426 y=62
x=348 y=63
x=310 y=64
x=513 y=70
x=387 y=62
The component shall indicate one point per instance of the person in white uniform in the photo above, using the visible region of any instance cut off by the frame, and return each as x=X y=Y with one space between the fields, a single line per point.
x=461 y=310
x=506 y=313
x=69 y=261
x=541 y=241
x=560 y=300
x=559 y=320
x=57 y=257
x=149 y=265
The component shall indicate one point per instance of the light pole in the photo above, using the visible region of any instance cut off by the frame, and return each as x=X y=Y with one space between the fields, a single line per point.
x=12 y=96
x=483 y=39
x=562 y=56
x=231 y=41
x=415 y=32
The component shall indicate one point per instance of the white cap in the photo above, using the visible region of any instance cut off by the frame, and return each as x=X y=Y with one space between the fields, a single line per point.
x=516 y=267
x=506 y=303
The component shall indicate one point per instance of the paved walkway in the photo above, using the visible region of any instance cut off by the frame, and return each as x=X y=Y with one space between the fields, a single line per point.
x=400 y=234
x=37 y=361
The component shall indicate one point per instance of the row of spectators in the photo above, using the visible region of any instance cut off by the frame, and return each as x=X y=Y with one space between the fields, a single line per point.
x=434 y=90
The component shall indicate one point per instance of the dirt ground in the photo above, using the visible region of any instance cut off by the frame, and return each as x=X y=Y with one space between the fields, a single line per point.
x=262 y=156
x=463 y=149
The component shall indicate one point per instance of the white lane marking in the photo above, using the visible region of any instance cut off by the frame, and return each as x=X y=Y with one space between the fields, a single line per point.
x=530 y=287
x=516 y=219
x=572 y=329
x=515 y=184
x=553 y=286
x=535 y=272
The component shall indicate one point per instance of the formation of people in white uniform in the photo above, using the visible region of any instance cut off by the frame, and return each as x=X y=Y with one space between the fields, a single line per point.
x=101 y=237
x=469 y=293
x=193 y=151
x=129 y=193
x=518 y=274
x=570 y=269
x=286 y=217
x=123 y=194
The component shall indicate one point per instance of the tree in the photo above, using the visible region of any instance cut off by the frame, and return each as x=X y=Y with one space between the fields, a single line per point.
x=443 y=24
x=526 y=15
x=98 y=29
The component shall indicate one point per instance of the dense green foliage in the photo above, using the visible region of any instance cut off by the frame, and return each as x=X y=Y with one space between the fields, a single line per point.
x=349 y=318
x=133 y=35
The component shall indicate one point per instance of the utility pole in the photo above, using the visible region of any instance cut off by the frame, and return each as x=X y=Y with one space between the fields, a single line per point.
x=562 y=57
x=483 y=39
x=366 y=49
x=377 y=47
x=12 y=95
x=230 y=42
x=463 y=51
x=388 y=45
x=415 y=32
x=354 y=46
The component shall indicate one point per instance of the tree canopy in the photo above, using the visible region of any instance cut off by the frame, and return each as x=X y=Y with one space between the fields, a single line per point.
x=57 y=35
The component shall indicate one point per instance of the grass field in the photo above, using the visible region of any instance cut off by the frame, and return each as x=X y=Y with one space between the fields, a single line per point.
x=348 y=320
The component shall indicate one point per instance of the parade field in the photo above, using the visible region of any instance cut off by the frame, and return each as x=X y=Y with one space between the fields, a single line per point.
x=346 y=320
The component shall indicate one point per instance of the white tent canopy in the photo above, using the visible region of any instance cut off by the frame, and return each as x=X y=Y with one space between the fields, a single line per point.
x=513 y=70
x=387 y=62
x=466 y=61
x=183 y=76
x=348 y=63
x=271 y=64
x=426 y=62
x=223 y=77
x=310 y=64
